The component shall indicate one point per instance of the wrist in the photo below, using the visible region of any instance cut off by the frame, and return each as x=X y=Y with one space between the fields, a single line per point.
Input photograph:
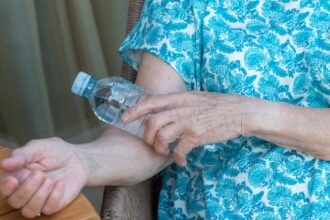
x=82 y=159
x=103 y=162
x=261 y=117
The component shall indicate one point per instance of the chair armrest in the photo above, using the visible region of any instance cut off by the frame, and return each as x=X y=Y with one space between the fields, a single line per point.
x=131 y=202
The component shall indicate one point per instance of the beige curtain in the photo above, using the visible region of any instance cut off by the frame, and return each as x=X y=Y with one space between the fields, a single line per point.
x=43 y=44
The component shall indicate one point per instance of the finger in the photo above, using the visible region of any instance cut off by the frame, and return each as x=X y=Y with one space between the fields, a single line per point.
x=53 y=203
x=34 y=206
x=156 y=104
x=21 y=175
x=151 y=104
x=13 y=162
x=31 y=152
x=157 y=121
x=167 y=135
x=184 y=146
x=26 y=190
x=8 y=185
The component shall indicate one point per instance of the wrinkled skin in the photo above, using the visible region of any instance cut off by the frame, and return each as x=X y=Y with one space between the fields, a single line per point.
x=195 y=118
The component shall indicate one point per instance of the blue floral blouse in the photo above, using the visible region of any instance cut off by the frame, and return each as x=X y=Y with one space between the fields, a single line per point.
x=274 y=50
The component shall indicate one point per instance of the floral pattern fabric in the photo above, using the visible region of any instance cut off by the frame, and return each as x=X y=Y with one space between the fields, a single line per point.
x=274 y=50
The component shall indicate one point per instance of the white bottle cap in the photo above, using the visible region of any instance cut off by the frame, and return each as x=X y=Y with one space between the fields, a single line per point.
x=80 y=83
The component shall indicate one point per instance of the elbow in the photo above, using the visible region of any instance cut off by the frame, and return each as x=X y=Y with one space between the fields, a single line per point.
x=321 y=152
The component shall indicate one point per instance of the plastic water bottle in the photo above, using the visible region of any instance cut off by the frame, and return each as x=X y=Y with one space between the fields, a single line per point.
x=109 y=98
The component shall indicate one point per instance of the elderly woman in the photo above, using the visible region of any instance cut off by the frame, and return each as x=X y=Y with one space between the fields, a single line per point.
x=244 y=86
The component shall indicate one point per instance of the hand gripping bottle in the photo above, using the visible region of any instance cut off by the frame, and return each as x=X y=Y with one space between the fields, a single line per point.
x=109 y=98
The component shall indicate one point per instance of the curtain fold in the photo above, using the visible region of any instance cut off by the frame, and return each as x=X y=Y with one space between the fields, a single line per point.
x=86 y=38
x=22 y=78
x=43 y=44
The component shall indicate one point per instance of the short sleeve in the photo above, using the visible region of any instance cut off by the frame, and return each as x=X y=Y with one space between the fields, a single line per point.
x=166 y=29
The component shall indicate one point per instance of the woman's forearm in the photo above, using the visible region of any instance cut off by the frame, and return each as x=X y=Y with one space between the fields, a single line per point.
x=301 y=128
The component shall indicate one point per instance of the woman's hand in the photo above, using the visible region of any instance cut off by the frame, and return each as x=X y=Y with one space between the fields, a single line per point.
x=195 y=118
x=43 y=176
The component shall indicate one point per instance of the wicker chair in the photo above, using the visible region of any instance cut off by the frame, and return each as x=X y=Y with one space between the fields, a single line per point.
x=139 y=201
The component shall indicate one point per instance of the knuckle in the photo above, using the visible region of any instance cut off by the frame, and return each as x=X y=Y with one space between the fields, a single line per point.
x=162 y=136
x=193 y=136
x=194 y=133
x=20 y=198
x=55 y=139
x=33 y=142
x=152 y=122
x=187 y=144
x=36 y=144
x=15 y=202
x=36 y=199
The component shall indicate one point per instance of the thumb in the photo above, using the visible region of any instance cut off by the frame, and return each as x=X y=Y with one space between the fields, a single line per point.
x=31 y=152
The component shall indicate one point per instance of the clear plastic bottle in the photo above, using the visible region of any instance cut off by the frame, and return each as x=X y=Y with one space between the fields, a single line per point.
x=109 y=98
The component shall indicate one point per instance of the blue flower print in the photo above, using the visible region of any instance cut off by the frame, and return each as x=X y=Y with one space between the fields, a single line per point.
x=271 y=42
x=280 y=196
x=218 y=64
x=321 y=20
x=181 y=41
x=301 y=84
x=259 y=175
x=303 y=38
x=154 y=36
x=325 y=4
x=256 y=27
x=317 y=100
x=241 y=84
x=174 y=9
x=237 y=38
x=317 y=185
x=226 y=189
x=273 y=10
x=289 y=58
x=268 y=86
x=255 y=58
x=266 y=216
x=317 y=61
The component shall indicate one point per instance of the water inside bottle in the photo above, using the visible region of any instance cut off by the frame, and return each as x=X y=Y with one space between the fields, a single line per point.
x=109 y=107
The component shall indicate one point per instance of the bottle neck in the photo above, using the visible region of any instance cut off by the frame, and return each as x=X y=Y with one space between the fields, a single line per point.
x=89 y=88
